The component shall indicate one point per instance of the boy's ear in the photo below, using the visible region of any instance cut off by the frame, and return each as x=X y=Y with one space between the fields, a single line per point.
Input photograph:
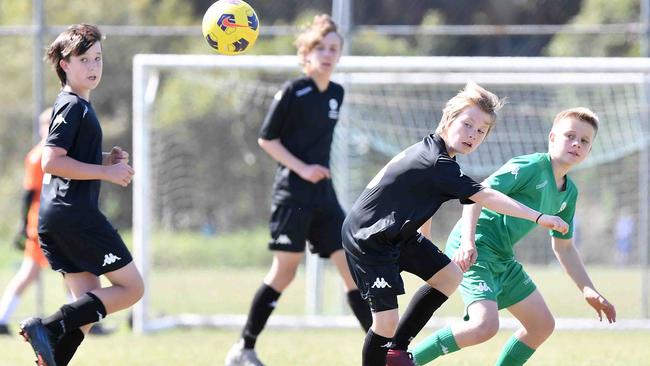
x=63 y=64
x=551 y=136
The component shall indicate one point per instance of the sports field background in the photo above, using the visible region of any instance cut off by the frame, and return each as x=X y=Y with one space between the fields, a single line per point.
x=210 y=289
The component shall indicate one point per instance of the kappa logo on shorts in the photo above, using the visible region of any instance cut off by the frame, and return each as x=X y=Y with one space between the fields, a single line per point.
x=380 y=283
x=483 y=287
x=110 y=258
x=444 y=349
x=387 y=345
x=283 y=240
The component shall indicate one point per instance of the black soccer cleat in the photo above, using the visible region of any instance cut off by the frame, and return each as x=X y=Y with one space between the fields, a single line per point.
x=40 y=338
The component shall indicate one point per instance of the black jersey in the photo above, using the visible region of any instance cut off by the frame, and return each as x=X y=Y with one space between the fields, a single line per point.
x=75 y=128
x=303 y=118
x=402 y=197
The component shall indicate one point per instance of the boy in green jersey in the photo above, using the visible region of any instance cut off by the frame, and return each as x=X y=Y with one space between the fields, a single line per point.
x=482 y=244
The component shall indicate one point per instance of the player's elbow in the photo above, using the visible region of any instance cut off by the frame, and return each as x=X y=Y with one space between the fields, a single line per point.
x=264 y=144
x=47 y=164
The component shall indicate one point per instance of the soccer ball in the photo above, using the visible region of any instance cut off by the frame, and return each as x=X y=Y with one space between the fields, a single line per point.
x=230 y=26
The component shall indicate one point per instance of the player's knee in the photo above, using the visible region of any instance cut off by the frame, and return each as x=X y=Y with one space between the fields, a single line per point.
x=135 y=289
x=281 y=278
x=547 y=327
x=447 y=279
x=485 y=328
x=455 y=275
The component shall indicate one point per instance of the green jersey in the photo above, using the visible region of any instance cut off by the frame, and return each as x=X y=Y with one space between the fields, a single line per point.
x=528 y=179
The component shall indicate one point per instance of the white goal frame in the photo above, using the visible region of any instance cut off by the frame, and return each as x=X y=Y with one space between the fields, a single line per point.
x=439 y=69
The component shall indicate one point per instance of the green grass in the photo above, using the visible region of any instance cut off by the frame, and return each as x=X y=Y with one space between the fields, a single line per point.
x=328 y=348
x=195 y=274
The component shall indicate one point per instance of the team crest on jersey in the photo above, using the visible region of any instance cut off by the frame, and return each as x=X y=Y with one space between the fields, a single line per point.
x=334 y=109
x=514 y=171
x=562 y=206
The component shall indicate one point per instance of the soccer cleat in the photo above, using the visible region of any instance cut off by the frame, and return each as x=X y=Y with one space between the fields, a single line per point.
x=4 y=329
x=239 y=356
x=396 y=357
x=99 y=330
x=40 y=338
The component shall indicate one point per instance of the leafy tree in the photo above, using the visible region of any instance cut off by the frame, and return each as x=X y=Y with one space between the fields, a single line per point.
x=599 y=12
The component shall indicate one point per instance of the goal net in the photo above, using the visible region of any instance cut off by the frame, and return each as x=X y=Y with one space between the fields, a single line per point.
x=201 y=193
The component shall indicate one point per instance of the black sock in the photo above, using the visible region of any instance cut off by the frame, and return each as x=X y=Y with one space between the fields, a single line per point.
x=86 y=310
x=425 y=301
x=375 y=348
x=360 y=308
x=262 y=306
x=67 y=346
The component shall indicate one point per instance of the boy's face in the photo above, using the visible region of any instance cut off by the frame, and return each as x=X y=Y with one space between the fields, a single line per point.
x=570 y=140
x=325 y=55
x=83 y=72
x=465 y=133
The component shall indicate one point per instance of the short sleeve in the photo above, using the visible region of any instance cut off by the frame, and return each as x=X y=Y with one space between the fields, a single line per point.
x=451 y=180
x=512 y=176
x=276 y=117
x=65 y=125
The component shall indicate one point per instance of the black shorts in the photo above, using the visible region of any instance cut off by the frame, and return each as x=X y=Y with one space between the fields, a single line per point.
x=98 y=249
x=292 y=226
x=381 y=283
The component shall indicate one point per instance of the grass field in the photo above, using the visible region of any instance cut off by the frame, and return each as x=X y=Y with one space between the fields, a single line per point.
x=227 y=285
x=329 y=347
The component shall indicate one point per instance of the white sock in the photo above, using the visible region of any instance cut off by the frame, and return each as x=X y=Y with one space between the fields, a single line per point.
x=7 y=307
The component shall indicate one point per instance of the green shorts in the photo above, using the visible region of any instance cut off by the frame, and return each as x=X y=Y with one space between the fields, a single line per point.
x=505 y=282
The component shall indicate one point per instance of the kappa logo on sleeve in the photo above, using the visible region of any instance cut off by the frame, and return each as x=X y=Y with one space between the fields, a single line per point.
x=58 y=121
x=110 y=258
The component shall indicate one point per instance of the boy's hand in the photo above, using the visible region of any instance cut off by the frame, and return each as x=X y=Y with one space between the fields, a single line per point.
x=117 y=155
x=553 y=223
x=600 y=304
x=120 y=173
x=314 y=173
x=466 y=255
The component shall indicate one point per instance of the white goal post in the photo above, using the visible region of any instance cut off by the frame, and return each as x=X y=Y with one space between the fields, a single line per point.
x=388 y=77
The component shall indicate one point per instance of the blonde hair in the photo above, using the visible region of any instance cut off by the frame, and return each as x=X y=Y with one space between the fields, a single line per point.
x=313 y=33
x=471 y=95
x=74 y=41
x=580 y=113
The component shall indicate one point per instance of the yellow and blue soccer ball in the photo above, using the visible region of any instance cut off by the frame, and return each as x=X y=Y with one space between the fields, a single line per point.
x=230 y=27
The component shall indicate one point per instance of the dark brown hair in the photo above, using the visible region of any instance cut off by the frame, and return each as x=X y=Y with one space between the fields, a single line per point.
x=74 y=41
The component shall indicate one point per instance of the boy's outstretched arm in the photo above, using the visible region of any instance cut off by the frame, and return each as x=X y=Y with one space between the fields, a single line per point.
x=499 y=202
x=466 y=254
x=569 y=258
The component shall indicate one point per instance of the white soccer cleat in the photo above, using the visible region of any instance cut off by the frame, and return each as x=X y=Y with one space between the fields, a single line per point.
x=238 y=356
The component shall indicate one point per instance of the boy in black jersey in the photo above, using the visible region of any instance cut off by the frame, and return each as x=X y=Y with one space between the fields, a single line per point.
x=297 y=132
x=75 y=236
x=380 y=233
